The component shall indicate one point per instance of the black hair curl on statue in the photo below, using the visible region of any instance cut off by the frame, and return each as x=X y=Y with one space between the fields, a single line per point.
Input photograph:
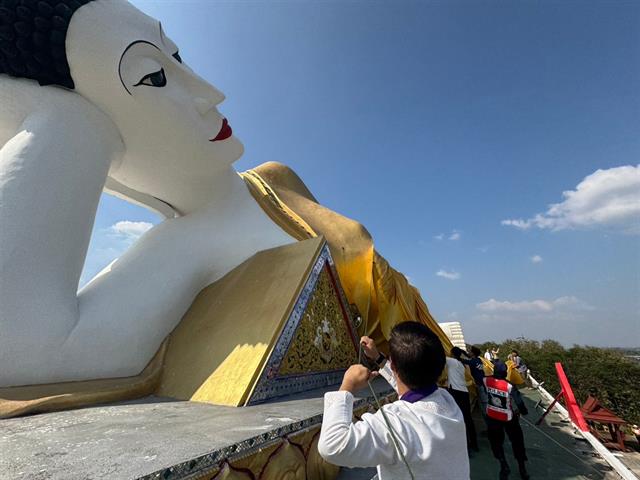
x=32 y=39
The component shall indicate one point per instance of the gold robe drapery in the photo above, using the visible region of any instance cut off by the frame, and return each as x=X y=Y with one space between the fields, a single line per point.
x=382 y=295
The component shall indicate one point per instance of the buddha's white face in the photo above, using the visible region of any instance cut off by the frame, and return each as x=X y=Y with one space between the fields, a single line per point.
x=174 y=136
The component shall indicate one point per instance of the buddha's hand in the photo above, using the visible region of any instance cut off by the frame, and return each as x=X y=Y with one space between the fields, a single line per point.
x=356 y=378
x=369 y=348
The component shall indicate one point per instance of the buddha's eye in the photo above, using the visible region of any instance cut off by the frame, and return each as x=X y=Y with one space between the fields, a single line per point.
x=177 y=57
x=155 y=79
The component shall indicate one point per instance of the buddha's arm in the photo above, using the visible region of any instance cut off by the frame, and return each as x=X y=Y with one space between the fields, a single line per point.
x=51 y=175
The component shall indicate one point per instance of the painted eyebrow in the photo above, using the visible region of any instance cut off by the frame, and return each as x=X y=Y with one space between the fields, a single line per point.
x=163 y=39
x=161 y=32
x=122 y=56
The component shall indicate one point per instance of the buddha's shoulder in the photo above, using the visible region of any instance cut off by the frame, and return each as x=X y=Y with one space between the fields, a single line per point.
x=282 y=177
x=292 y=190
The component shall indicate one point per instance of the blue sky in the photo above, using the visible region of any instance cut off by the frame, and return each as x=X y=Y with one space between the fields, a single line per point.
x=436 y=124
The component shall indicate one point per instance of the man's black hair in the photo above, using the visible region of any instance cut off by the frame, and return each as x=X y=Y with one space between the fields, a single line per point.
x=476 y=351
x=500 y=370
x=416 y=353
x=456 y=352
x=32 y=39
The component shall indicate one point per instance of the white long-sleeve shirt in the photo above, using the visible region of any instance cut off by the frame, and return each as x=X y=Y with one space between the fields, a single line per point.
x=430 y=432
x=456 y=375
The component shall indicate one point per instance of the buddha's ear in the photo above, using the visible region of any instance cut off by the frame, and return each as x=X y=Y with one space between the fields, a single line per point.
x=118 y=190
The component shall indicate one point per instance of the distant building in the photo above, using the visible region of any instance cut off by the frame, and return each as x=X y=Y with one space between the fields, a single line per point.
x=453 y=330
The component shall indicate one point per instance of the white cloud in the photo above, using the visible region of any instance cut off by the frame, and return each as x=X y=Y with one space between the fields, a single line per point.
x=453 y=236
x=518 y=223
x=107 y=244
x=452 y=275
x=493 y=305
x=536 y=259
x=533 y=306
x=608 y=199
x=129 y=230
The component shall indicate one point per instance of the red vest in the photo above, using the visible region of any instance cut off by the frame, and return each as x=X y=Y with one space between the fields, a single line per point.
x=498 y=399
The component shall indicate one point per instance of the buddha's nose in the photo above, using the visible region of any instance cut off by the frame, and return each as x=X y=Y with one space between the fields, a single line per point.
x=203 y=105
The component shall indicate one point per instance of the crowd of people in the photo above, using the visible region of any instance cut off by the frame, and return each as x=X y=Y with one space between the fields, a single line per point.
x=423 y=434
x=499 y=400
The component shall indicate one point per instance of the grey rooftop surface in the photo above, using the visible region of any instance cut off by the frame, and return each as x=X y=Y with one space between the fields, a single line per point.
x=554 y=449
x=133 y=439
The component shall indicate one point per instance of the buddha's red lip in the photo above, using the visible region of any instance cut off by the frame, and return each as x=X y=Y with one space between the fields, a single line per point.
x=224 y=133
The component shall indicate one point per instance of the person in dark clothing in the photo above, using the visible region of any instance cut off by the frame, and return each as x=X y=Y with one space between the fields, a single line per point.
x=504 y=407
x=460 y=393
x=474 y=362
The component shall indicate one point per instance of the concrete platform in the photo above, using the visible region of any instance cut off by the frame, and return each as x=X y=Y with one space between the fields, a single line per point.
x=143 y=439
x=554 y=451
x=149 y=438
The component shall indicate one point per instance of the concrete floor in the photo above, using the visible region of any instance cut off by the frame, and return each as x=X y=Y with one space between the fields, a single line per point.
x=128 y=440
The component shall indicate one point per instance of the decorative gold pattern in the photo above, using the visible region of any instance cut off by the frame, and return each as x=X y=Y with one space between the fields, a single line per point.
x=257 y=461
x=322 y=341
x=229 y=473
x=288 y=463
x=317 y=467
x=267 y=463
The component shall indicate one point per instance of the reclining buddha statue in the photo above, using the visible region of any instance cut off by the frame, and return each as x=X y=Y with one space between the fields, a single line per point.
x=95 y=97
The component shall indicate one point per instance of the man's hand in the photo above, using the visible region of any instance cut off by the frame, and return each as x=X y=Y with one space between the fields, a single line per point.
x=356 y=378
x=369 y=348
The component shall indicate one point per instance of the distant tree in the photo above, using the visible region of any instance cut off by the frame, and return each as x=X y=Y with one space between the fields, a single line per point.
x=602 y=372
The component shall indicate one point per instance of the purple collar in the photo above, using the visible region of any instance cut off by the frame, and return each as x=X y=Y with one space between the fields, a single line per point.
x=412 y=396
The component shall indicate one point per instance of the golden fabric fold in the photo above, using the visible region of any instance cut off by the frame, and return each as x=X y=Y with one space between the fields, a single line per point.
x=382 y=295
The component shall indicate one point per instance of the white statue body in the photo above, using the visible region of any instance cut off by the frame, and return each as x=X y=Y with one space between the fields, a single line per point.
x=142 y=122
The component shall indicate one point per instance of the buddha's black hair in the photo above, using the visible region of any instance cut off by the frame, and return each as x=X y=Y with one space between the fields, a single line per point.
x=32 y=39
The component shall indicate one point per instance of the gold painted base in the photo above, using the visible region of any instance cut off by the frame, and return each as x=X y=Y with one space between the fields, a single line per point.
x=293 y=458
x=277 y=324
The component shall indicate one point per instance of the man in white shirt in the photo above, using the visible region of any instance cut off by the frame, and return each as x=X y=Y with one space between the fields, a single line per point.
x=428 y=428
x=456 y=375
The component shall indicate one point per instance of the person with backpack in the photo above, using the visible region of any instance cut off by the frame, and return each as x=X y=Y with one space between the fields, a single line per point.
x=504 y=407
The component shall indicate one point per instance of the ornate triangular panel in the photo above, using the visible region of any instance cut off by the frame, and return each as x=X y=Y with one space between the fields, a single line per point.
x=318 y=341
